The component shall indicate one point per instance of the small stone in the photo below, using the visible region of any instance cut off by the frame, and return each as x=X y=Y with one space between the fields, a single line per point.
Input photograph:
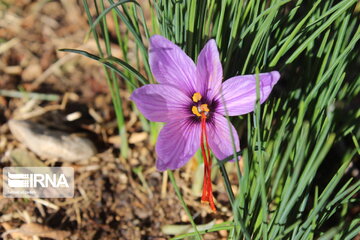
x=115 y=140
x=138 y=137
x=134 y=162
x=31 y=72
x=48 y=143
x=23 y=158
x=123 y=179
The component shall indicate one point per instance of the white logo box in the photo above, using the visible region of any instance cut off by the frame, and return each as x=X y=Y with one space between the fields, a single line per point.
x=38 y=182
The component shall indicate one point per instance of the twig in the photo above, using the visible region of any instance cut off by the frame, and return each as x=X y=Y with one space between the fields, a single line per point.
x=32 y=95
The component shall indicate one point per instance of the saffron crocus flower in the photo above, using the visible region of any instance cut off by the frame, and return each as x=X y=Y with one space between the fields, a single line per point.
x=191 y=99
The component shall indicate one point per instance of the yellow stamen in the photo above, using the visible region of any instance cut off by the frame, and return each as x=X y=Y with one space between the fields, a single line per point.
x=196 y=97
x=204 y=108
x=198 y=111
x=195 y=111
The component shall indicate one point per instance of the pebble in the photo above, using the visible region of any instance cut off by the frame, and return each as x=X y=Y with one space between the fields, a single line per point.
x=138 y=137
x=31 y=72
x=48 y=143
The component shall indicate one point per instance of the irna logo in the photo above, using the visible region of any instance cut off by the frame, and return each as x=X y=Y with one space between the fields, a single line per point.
x=38 y=182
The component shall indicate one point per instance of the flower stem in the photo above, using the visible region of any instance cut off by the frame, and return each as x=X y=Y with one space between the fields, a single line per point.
x=238 y=220
x=177 y=190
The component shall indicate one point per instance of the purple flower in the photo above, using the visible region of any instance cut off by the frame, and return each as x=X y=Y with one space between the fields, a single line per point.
x=191 y=98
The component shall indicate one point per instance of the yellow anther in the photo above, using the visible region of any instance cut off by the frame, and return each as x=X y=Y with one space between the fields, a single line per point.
x=195 y=111
x=196 y=97
x=204 y=108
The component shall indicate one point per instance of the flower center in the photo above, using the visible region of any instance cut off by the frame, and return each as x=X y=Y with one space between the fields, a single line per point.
x=199 y=110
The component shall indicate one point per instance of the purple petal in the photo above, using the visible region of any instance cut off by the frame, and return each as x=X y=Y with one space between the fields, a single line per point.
x=239 y=93
x=219 y=137
x=170 y=65
x=177 y=143
x=161 y=103
x=209 y=70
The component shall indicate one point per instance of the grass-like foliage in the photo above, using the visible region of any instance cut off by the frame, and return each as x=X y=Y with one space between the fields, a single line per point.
x=297 y=147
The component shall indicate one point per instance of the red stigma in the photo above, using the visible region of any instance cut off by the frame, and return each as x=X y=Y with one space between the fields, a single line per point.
x=207 y=194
